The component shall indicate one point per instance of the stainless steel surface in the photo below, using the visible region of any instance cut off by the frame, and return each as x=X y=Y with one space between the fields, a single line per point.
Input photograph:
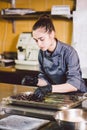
x=6 y=90
x=51 y=101
x=29 y=111
x=16 y=122
x=72 y=119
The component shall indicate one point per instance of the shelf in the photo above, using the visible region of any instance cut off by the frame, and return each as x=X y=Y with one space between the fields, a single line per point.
x=35 y=16
x=29 y=16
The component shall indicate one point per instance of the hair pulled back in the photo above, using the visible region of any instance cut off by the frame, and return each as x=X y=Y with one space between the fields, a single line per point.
x=44 y=22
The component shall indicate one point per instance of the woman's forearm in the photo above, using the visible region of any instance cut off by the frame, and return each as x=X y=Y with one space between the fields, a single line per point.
x=63 y=88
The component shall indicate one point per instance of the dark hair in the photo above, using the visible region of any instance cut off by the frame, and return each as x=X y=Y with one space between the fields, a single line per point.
x=44 y=22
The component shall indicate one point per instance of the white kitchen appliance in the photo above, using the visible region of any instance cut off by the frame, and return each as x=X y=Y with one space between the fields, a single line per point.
x=27 y=50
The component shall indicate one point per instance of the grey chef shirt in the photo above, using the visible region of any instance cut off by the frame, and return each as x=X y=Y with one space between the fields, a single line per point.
x=61 y=66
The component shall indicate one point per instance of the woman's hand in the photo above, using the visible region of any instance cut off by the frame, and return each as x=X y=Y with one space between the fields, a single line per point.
x=40 y=92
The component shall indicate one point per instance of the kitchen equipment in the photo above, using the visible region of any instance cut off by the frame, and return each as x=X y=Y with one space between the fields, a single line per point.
x=29 y=80
x=27 y=50
x=9 y=55
x=72 y=119
x=51 y=101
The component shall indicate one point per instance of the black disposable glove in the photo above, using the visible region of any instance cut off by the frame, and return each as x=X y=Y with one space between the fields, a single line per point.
x=40 y=92
x=28 y=80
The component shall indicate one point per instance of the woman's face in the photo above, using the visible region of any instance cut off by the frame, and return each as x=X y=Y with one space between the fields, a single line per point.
x=43 y=39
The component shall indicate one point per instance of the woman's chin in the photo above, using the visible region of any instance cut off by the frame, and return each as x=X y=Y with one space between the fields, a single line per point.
x=43 y=49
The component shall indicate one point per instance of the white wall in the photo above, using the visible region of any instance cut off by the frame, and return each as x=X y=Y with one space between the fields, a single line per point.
x=80 y=34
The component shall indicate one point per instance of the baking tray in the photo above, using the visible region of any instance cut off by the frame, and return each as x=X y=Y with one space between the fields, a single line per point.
x=51 y=101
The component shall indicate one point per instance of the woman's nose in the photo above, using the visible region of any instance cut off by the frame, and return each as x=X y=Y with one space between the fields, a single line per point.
x=39 y=43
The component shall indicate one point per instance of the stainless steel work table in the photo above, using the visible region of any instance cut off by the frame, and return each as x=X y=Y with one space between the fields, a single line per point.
x=7 y=90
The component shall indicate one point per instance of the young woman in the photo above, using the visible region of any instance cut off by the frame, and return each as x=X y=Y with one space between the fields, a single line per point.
x=59 y=63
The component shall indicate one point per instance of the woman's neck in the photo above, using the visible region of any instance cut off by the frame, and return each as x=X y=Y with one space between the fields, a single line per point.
x=53 y=46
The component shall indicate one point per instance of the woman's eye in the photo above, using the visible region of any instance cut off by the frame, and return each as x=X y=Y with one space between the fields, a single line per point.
x=42 y=39
x=36 y=40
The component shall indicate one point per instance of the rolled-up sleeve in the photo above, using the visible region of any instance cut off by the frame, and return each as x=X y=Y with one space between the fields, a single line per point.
x=74 y=72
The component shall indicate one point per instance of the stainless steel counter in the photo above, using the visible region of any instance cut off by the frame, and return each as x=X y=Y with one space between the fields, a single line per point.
x=7 y=90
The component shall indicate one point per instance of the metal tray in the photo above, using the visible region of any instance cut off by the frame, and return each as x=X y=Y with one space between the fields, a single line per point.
x=21 y=123
x=51 y=101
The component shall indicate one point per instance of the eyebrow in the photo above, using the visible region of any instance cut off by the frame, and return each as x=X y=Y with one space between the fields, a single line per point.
x=38 y=38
